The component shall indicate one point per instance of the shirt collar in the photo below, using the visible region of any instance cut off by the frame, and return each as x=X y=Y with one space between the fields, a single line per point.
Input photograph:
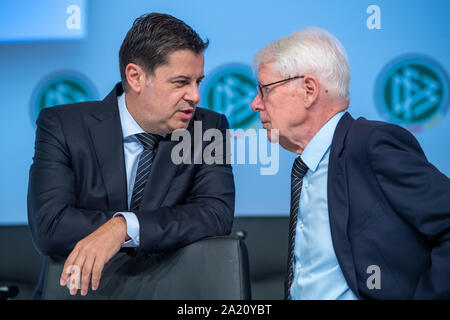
x=320 y=143
x=129 y=126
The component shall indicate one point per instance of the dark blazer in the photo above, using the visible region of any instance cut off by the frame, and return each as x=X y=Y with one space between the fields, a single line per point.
x=78 y=181
x=388 y=207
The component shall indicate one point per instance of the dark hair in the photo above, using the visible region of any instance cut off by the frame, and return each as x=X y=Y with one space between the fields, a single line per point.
x=152 y=38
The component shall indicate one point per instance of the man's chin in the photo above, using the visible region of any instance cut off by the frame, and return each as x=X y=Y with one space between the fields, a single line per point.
x=273 y=135
x=179 y=126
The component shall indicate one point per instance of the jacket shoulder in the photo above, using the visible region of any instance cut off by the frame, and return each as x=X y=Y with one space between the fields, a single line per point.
x=364 y=134
x=70 y=115
x=67 y=110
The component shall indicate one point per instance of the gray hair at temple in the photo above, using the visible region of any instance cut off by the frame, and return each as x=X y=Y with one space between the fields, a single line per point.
x=312 y=51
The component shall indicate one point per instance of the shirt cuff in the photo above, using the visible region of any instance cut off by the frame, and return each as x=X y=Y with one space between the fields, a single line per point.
x=132 y=229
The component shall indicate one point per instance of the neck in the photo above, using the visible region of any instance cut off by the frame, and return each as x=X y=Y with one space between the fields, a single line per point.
x=135 y=110
x=303 y=133
x=132 y=107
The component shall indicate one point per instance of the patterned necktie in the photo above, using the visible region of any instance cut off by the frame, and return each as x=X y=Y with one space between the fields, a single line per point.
x=299 y=170
x=149 y=142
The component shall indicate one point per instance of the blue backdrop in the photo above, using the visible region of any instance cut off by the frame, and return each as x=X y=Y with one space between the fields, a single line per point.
x=44 y=38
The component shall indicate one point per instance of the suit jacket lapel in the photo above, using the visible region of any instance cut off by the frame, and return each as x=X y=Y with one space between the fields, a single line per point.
x=338 y=203
x=107 y=138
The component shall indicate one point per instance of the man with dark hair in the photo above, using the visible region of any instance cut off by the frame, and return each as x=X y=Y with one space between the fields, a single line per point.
x=102 y=177
x=152 y=38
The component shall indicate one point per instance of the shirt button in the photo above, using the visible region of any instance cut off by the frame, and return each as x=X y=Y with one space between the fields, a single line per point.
x=299 y=265
x=301 y=225
x=138 y=239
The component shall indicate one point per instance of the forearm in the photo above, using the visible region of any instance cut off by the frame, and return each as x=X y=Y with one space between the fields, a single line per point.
x=169 y=228
x=56 y=232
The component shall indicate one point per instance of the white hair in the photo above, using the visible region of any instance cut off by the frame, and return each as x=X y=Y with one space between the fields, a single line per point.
x=310 y=51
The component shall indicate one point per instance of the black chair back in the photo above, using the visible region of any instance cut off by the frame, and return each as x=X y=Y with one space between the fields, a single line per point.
x=210 y=269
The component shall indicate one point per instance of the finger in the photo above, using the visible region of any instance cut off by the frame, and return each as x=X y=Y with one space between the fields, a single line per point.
x=86 y=273
x=76 y=274
x=67 y=267
x=97 y=273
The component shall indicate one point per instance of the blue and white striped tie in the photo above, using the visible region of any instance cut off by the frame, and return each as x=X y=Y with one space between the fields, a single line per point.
x=150 y=143
x=299 y=169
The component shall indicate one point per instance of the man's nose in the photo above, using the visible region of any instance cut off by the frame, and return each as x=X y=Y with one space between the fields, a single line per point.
x=257 y=104
x=193 y=94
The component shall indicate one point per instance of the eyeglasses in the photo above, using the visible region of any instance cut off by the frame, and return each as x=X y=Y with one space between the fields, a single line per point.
x=260 y=87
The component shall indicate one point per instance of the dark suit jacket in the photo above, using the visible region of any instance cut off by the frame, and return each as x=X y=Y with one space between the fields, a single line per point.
x=78 y=181
x=388 y=207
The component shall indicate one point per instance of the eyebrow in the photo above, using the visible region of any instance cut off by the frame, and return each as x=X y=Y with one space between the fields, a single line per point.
x=182 y=77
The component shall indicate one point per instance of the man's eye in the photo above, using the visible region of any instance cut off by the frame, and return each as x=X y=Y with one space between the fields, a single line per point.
x=181 y=83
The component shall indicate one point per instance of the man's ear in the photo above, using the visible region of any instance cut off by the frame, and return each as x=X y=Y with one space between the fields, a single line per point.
x=311 y=86
x=135 y=77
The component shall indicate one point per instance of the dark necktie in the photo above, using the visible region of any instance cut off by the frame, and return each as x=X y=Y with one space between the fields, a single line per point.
x=149 y=142
x=299 y=170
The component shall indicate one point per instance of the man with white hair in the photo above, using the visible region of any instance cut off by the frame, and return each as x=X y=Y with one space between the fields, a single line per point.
x=370 y=216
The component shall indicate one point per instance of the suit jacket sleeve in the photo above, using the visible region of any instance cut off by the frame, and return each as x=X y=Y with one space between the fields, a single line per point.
x=207 y=211
x=420 y=194
x=55 y=221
